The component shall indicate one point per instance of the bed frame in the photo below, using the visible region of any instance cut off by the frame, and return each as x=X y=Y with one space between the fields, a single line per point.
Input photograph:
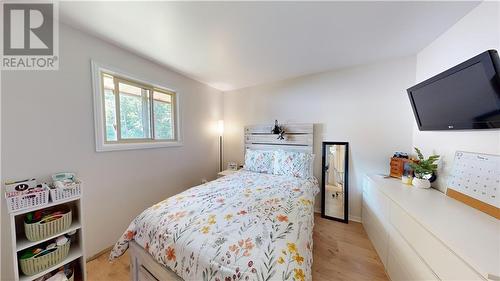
x=143 y=267
x=298 y=137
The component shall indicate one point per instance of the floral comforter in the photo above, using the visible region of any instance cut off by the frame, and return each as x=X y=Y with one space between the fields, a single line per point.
x=245 y=226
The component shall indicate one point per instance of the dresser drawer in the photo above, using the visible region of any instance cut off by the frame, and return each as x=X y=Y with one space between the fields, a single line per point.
x=376 y=232
x=378 y=202
x=403 y=263
x=445 y=264
x=145 y=275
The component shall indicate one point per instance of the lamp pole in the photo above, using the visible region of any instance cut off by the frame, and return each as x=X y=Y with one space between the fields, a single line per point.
x=220 y=153
x=220 y=129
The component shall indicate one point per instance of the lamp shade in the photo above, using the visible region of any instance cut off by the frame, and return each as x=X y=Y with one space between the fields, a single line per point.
x=220 y=127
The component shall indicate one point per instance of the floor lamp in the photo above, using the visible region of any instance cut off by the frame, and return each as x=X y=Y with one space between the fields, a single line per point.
x=220 y=130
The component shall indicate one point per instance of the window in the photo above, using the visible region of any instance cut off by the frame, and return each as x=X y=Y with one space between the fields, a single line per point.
x=131 y=113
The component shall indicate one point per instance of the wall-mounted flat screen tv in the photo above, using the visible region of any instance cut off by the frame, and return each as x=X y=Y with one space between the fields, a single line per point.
x=466 y=96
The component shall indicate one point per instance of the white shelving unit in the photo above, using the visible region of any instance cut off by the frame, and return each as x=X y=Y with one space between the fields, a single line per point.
x=21 y=243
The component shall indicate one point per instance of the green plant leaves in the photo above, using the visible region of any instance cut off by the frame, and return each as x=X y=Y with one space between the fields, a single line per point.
x=424 y=166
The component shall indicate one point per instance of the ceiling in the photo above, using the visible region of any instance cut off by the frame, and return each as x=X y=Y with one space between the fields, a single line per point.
x=231 y=45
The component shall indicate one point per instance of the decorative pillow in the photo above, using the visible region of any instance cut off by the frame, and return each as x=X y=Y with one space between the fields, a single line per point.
x=259 y=161
x=297 y=164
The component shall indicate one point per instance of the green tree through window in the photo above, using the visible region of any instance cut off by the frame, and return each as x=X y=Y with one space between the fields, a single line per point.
x=136 y=121
x=163 y=120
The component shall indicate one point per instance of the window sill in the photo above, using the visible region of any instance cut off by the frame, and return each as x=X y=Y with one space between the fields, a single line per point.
x=100 y=147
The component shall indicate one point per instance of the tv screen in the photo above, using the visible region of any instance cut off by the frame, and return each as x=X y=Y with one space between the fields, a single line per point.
x=466 y=96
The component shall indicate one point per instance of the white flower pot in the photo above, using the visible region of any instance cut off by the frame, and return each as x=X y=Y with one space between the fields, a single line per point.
x=421 y=183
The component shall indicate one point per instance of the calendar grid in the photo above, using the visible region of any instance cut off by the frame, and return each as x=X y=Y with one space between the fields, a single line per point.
x=477 y=175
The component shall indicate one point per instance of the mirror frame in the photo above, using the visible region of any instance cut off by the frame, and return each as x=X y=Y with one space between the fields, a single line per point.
x=346 y=181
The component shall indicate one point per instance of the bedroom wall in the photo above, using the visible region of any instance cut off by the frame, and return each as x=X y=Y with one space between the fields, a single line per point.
x=48 y=127
x=477 y=32
x=365 y=105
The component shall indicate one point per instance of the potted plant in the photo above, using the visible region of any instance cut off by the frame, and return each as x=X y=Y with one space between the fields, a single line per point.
x=423 y=169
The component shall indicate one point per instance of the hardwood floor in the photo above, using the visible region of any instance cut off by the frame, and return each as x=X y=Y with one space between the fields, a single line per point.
x=344 y=252
x=341 y=252
x=101 y=269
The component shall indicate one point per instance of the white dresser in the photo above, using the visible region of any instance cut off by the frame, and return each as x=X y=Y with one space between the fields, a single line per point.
x=424 y=235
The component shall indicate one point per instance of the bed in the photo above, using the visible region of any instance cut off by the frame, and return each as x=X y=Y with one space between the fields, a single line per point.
x=245 y=226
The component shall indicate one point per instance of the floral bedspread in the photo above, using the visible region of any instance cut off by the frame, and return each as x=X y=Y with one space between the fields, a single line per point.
x=245 y=226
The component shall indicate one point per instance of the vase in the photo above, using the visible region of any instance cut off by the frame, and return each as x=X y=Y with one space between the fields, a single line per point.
x=433 y=177
x=421 y=183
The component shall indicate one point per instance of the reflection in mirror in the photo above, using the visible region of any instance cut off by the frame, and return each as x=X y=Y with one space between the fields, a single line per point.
x=334 y=199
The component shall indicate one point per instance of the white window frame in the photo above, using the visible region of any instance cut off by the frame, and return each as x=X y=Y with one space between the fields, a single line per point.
x=99 y=121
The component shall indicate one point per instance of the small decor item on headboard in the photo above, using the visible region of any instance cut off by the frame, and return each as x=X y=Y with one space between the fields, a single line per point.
x=475 y=181
x=278 y=130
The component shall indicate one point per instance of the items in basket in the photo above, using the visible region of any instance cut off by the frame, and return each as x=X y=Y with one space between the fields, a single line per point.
x=43 y=216
x=45 y=255
x=10 y=192
x=65 y=179
x=63 y=273
x=44 y=223
x=65 y=186
x=46 y=249
x=25 y=194
x=22 y=185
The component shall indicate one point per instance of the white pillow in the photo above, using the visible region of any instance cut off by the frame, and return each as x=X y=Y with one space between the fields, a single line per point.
x=296 y=164
x=260 y=161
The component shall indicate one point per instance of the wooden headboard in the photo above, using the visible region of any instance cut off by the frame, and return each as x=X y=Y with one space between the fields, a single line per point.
x=298 y=137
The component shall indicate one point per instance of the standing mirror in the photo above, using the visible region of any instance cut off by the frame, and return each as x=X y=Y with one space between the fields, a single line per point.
x=335 y=181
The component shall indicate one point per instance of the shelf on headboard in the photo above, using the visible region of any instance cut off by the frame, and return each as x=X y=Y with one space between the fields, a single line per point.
x=298 y=137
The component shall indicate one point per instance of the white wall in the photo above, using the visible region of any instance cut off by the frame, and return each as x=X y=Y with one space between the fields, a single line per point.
x=47 y=127
x=477 y=32
x=2 y=202
x=365 y=105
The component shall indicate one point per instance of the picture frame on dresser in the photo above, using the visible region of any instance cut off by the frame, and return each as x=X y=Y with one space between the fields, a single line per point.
x=335 y=181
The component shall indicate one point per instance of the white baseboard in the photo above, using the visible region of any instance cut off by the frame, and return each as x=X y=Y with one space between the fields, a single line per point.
x=355 y=218
x=351 y=218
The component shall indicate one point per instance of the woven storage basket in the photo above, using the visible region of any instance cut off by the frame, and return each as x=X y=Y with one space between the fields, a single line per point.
x=35 y=265
x=38 y=231
x=17 y=201
x=58 y=194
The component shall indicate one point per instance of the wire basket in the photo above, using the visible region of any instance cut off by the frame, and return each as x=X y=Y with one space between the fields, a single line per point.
x=21 y=200
x=60 y=194
x=34 y=265
x=38 y=231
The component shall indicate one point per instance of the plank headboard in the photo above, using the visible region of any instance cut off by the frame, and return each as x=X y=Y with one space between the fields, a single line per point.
x=298 y=137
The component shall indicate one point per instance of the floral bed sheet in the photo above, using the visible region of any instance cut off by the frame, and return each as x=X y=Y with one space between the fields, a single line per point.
x=245 y=226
